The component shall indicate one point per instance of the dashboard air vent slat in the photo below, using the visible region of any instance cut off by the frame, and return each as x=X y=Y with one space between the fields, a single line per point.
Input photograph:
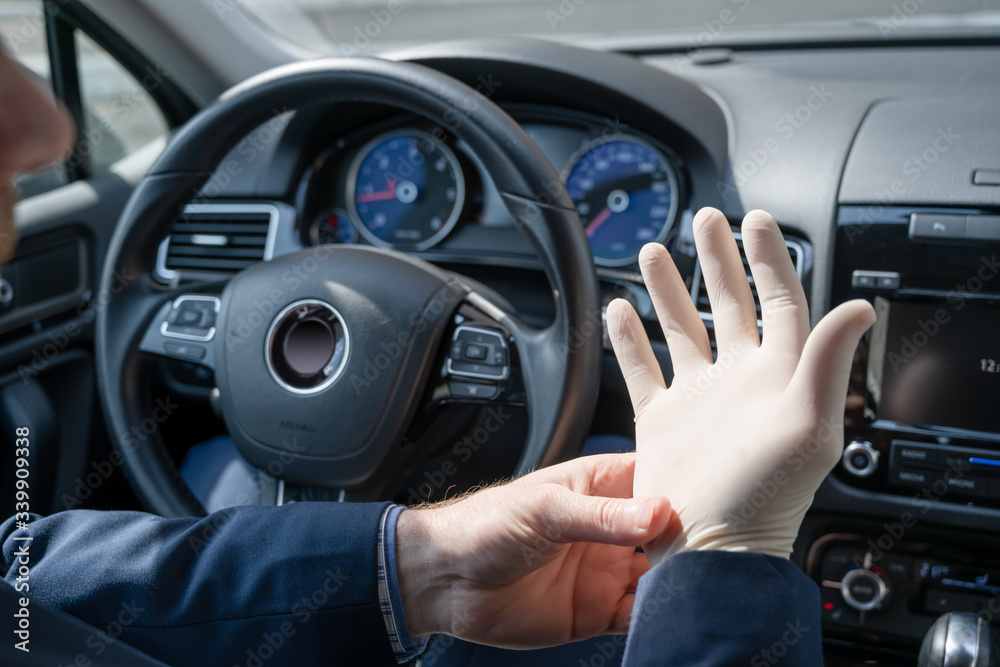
x=700 y=293
x=221 y=237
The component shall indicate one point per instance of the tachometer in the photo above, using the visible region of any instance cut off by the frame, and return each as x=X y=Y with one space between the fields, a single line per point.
x=626 y=193
x=405 y=190
x=332 y=226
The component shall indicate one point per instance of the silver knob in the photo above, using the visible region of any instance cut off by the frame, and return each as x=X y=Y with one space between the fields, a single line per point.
x=864 y=590
x=860 y=458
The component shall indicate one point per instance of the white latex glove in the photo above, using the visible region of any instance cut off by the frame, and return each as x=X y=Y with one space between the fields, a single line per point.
x=739 y=446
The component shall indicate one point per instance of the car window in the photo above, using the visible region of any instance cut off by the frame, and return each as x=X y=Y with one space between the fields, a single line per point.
x=119 y=116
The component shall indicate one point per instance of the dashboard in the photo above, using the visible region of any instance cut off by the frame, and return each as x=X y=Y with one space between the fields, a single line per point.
x=881 y=163
x=409 y=185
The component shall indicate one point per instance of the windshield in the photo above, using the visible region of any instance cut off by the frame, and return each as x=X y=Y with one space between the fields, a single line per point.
x=354 y=27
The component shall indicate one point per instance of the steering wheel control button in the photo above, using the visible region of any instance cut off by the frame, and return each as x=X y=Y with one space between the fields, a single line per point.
x=189 y=317
x=860 y=459
x=476 y=352
x=864 y=590
x=192 y=317
x=480 y=353
x=473 y=390
x=186 y=350
x=307 y=346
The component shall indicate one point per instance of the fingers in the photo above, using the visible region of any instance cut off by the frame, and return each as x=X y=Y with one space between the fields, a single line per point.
x=623 y=612
x=679 y=319
x=782 y=300
x=825 y=367
x=733 y=313
x=623 y=615
x=635 y=356
x=619 y=521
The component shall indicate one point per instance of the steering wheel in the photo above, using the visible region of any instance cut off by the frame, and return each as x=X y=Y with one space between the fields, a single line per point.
x=298 y=370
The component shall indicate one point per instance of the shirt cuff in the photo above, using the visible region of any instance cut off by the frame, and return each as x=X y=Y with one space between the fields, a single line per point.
x=405 y=647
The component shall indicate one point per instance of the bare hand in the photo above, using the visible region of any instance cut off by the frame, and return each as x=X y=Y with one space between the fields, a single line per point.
x=544 y=560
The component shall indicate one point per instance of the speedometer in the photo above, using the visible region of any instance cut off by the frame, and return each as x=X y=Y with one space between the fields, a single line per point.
x=626 y=193
x=405 y=190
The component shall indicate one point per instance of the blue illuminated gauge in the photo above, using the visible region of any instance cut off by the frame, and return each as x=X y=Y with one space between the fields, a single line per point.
x=405 y=190
x=626 y=193
x=332 y=226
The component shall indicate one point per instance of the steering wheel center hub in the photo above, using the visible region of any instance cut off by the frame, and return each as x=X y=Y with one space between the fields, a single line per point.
x=307 y=346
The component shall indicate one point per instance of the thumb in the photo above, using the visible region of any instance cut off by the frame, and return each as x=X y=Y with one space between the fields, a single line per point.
x=619 y=521
x=825 y=365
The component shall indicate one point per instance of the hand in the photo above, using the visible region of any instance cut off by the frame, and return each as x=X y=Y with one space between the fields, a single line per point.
x=544 y=560
x=742 y=444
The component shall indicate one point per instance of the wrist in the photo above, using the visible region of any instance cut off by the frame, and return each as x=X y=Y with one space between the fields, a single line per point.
x=423 y=571
x=720 y=537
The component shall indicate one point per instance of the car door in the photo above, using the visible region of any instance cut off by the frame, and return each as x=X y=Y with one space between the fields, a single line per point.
x=124 y=108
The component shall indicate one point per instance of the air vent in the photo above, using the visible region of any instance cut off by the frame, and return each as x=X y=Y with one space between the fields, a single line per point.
x=221 y=238
x=700 y=293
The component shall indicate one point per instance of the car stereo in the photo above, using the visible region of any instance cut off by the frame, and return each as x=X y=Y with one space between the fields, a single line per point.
x=922 y=416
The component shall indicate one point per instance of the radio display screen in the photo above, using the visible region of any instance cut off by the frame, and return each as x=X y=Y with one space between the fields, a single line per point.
x=940 y=364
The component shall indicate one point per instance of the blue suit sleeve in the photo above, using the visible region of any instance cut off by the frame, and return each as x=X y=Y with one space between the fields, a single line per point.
x=712 y=608
x=242 y=586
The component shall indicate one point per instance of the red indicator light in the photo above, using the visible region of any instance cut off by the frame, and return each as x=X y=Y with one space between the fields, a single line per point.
x=828 y=606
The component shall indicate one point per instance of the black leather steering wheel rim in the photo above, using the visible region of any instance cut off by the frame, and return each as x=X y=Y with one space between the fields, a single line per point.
x=528 y=184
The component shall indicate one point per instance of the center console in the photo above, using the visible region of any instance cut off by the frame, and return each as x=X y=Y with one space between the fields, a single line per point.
x=923 y=412
x=922 y=428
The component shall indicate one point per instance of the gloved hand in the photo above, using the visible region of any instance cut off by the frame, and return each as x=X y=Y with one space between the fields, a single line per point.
x=739 y=446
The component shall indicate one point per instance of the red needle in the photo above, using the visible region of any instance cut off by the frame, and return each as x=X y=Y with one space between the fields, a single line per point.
x=597 y=221
x=382 y=195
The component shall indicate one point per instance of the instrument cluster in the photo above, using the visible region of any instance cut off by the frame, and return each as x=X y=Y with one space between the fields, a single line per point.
x=409 y=186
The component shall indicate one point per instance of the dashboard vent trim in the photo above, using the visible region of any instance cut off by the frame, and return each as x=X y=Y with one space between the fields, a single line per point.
x=699 y=294
x=218 y=238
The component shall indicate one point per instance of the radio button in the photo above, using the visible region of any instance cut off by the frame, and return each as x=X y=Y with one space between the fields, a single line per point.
x=860 y=459
x=970 y=485
x=910 y=477
x=932 y=226
x=917 y=454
